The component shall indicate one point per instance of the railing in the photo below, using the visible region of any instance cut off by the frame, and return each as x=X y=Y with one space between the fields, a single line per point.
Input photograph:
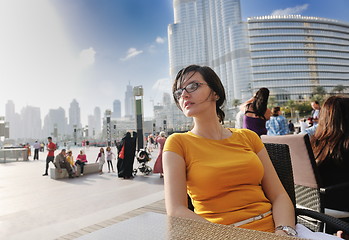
x=13 y=154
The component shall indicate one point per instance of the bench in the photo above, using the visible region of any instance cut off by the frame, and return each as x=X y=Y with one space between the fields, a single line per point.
x=89 y=168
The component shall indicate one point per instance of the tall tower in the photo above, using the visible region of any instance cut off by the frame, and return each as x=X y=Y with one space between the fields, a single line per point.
x=207 y=32
x=31 y=122
x=14 y=120
x=98 y=121
x=74 y=115
x=116 y=109
x=129 y=102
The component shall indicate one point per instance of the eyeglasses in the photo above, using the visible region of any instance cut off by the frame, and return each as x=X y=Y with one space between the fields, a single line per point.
x=191 y=87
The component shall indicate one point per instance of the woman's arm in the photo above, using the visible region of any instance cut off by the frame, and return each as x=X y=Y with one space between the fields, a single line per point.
x=176 y=187
x=283 y=210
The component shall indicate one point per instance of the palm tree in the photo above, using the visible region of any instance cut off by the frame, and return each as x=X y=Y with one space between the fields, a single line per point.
x=339 y=89
x=236 y=102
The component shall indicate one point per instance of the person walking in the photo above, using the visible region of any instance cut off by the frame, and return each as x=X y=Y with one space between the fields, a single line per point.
x=37 y=147
x=110 y=156
x=101 y=159
x=51 y=148
x=158 y=163
x=129 y=143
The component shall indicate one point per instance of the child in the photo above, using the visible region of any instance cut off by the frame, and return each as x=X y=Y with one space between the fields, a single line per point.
x=70 y=159
x=110 y=156
x=101 y=157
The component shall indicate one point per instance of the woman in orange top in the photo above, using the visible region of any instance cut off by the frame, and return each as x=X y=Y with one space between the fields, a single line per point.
x=226 y=172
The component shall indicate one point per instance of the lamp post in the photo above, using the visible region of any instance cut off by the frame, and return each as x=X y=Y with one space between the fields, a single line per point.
x=108 y=127
x=138 y=96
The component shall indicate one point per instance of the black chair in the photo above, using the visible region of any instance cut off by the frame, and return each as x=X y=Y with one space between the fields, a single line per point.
x=280 y=157
x=310 y=193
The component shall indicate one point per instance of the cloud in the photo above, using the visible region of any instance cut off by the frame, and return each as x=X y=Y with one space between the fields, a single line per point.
x=132 y=52
x=291 y=11
x=163 y=85
x=160 y=40
x=87 y=57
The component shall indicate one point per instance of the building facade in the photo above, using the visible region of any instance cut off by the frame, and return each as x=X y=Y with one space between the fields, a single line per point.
x=292 y=55
x=211 y=33
x=129 y=102
x=74 y=116
x=116 y=109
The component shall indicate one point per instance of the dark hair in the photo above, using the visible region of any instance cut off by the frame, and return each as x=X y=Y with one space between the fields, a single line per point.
x=49 y=138
x=260 y=102
x=316 y=102
x=275 y=111
x=331 y=138
x=212 y=80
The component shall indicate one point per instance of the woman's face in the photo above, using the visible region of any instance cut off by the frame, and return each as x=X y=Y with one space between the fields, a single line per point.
x=200 y=96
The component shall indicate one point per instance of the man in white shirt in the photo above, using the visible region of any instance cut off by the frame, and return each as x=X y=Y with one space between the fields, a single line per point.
x=37 y=147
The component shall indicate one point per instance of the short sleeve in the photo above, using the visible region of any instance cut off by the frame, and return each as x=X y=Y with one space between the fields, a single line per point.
x=174 y=144
x=255 y=141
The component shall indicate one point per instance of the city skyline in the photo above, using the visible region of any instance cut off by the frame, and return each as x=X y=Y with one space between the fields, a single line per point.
x=90 y=50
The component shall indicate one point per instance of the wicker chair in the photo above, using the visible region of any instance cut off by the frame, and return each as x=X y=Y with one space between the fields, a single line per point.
x=309 y=193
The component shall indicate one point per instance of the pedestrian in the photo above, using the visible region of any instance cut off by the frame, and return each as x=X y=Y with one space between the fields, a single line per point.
x=61 y=162
x=257 y=112
x=37 y=147
x=277 y=124
x=158 y=163
x=291 y=127
x=51 y=148
x=81 y=160
x=315 y=113
x=129 y=145
x=110 y=156
x=101 y=159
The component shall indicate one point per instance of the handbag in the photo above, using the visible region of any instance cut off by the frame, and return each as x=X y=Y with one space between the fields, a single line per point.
x=122 y=152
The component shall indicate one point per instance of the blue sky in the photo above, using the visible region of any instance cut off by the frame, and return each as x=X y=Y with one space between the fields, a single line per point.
x=57 y=50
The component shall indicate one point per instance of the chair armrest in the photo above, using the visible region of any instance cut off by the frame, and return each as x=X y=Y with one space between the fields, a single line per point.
x=337 y=187
x=336 y=196
x=330 y=221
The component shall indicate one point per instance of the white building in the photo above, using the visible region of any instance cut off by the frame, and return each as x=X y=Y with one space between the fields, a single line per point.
x=74 y=115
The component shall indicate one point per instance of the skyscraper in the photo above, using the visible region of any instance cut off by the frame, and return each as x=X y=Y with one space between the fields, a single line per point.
x=55 y=123
x=116 y=109
x=98 y=120
x=210 y=33
x=31 y=122
x=74 y=115
x=14 y=120
x=292 y=55
x=129 y=102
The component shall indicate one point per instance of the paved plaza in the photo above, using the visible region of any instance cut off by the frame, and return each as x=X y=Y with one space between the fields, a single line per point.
x=33 y=206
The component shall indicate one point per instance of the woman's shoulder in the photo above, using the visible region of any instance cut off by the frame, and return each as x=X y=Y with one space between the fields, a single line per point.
x=243 y=132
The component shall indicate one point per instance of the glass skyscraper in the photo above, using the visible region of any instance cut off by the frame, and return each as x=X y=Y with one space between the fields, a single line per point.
x=292 y=55
x=211 y=32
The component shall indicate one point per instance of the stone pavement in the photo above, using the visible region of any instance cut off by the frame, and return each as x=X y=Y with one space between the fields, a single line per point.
x=36 y=207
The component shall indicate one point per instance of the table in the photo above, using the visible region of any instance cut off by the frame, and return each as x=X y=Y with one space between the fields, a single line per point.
x=151 y=226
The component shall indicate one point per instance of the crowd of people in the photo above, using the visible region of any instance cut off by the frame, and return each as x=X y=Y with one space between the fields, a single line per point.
x=226 y=172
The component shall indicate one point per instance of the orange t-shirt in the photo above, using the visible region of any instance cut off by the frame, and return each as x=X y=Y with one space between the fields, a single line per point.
x=224 y=177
